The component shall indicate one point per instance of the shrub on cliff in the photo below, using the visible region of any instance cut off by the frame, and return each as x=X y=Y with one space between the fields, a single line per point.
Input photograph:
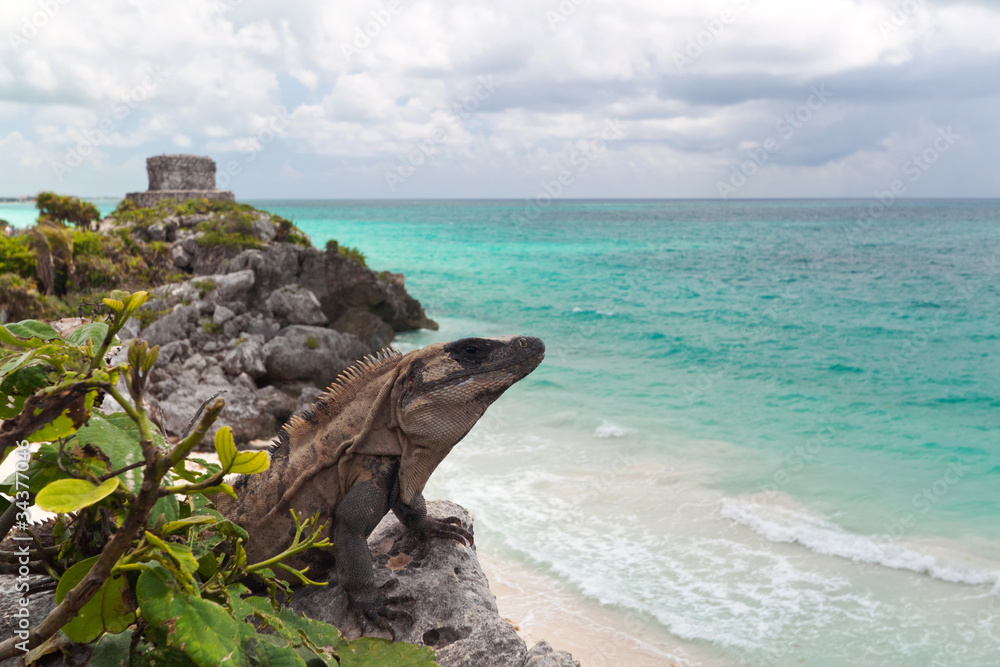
x=16 y=256
x=62 y=210
x=347 y=252
x=148 y=571
x=232 y=229
x=19 y=299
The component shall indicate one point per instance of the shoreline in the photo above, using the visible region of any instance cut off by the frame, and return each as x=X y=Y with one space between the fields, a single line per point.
x=594 y=634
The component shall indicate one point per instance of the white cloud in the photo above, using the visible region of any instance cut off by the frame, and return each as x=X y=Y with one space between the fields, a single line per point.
x=196 y=78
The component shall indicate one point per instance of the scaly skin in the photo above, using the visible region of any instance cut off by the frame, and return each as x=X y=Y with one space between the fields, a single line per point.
x=368 y=446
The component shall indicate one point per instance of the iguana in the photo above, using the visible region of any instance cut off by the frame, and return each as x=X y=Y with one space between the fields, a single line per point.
x=367 y=446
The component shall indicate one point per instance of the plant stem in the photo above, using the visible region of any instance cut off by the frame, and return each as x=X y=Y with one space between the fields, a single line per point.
x=194 y=487
x=98 y=359
x=184 y=447
x=83 y=591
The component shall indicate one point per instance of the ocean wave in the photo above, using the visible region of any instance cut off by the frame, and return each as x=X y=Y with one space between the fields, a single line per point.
x=609 y=429
x=779 y=524
x=594 y=311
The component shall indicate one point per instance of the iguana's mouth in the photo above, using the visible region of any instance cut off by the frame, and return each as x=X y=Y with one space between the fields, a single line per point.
x=534 y=353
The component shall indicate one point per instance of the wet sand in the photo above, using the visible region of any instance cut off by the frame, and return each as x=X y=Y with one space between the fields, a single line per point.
x=594 y=634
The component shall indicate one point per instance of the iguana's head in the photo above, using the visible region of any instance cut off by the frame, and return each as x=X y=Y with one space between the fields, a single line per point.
x=445 y=388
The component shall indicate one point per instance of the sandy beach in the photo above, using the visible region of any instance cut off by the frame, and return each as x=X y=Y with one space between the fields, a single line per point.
x=595 y=635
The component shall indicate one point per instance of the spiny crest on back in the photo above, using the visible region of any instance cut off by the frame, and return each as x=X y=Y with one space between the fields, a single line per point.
x=335 y=392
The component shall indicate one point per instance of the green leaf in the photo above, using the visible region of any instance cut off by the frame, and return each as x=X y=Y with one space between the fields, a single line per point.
x=182 y=560
x=319 y=633
x=95 y=332
x=250 y=463
x=221 y=488
x=12 y=361
x=166 y=509
x=210 y=467
x=69 y=495
x=245 y=463
x=180 y=525
x=208 y=566
x=372 y=652
x=113 y=650
x=202 y=629
x=273 y=652
x=67 y=423
x=134 y=302
x=29 y=333
x=110 y=610
x=18 y=385
x=42 y=470
x=225 y=447
x=162 y=656
x=118 y=437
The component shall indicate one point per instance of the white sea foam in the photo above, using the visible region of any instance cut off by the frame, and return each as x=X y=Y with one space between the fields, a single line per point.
x=595 y=311
x=609 y=429
x=781 y=524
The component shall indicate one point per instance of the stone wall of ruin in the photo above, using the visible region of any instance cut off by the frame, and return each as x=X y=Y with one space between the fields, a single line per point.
x=181 y=172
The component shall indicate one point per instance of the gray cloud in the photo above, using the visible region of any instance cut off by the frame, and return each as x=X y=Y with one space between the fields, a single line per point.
x=497 y=97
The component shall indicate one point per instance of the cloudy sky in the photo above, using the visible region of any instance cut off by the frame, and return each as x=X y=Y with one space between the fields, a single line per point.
x=447 y=98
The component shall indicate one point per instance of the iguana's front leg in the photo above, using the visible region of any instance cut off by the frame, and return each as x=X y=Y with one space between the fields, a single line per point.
x=355 y=518
x=414 y=517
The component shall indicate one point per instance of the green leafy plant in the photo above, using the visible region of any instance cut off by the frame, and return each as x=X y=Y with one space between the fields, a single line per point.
x=353 y=254
x=204 y=286
x=62 y=209
x=210 y=326
x=148 y=572
x=19 y=299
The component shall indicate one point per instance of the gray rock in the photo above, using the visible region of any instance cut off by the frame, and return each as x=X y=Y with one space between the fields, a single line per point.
x=340 y=284
x=251 y=324
x=229 y=286
x=170 y=225
x=247 y=357
x=543 y=655
x=369 y=328
x=182 y=258
x=178 y=350
x=176 y=325
x=191 y=221
x=222 y=314
x=307 y=397
x=39 y=604
x=276 y=402
x=454 y=611
x=242 y=413
x=292 y=304
x=245 y=381
x=173 y=294
x=274 y=266
x=263 y=227
x=190 y=243
x=316 y=354
x=214 y=375
x=195 y=362
x=156 y=233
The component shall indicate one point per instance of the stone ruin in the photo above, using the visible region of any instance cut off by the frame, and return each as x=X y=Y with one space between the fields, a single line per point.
x=180 y=177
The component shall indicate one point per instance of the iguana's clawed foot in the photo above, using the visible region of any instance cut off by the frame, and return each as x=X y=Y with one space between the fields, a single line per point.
x=375 y=609
x=450 y=528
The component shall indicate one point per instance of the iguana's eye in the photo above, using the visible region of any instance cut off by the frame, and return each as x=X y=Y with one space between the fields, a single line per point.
x=471 y=350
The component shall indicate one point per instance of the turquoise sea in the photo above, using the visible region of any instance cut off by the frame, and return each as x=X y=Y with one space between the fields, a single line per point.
x=765 y=432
